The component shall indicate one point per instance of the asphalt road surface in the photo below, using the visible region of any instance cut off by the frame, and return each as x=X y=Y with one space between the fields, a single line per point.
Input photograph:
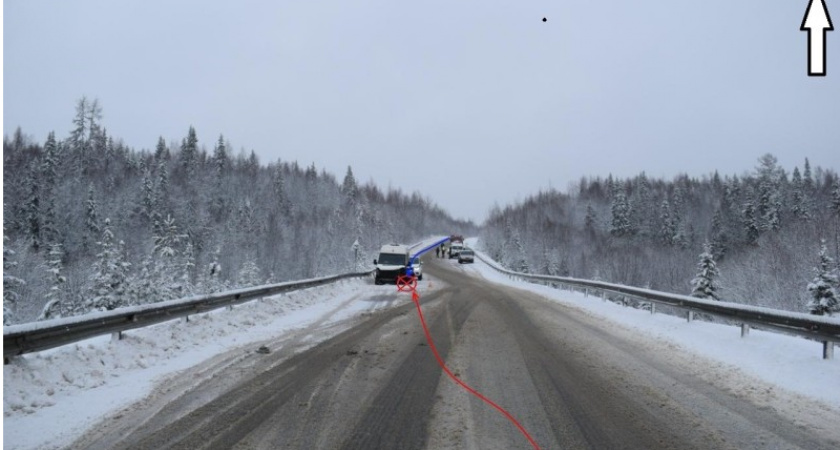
x=573 y=381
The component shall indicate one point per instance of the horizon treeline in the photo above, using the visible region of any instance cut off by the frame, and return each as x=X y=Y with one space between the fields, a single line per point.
x=90 y=224
x=765 y=230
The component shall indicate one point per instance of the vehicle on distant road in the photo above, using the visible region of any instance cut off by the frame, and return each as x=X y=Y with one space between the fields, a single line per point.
x=455 y=248
x=393 y=261
x=466 y=256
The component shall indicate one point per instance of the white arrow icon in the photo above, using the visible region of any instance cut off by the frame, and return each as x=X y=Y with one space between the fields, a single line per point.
x=816 y=22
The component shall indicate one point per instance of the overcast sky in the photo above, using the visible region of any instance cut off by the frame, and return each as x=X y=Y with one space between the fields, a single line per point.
x=470 y=102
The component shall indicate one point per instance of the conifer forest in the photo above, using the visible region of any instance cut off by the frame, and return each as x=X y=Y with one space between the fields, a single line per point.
x=90 y=224
x=768 y=237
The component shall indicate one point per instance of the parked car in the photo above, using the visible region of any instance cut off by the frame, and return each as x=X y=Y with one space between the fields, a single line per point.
x=454 y=249
x=466 y=256
x=417 y=267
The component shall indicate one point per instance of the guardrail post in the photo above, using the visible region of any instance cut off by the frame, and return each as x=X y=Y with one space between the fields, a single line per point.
x=689 y=315
x=116 y=336
x=586 y=292
x=745 y=330
x=185 y=319
x=652 y=308
x=828 y=350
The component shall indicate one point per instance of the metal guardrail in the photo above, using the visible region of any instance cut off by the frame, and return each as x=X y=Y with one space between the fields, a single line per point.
x=818 y=328
x=33 y=337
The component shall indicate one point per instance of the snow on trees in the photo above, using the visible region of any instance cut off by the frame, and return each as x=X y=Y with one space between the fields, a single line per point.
x=705 y=284
x=620 y=225
x=824 y=288
x=91 y=229
x=110 y=273
x=720 y=238
x=590 y=220
x=766 y=251
x=33 y=207
x=277 y=216
x=798 y=202
x=667 y=227
x=11 y=283
x=249 y=273
x=55 y=296
x=752 y=230
x=172 y=273
x=188 y=158
x=210 y=279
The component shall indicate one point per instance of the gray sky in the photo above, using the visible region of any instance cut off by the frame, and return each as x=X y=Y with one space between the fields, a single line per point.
x=470 y=102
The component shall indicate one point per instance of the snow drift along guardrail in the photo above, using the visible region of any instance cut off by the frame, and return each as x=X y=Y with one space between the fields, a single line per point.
x=819 y=328
x=33 y=337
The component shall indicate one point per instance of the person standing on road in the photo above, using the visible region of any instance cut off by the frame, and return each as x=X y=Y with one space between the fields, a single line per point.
x=437 y=252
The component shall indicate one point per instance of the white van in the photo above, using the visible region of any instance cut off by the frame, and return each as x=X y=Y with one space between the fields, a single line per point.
x=392 y=262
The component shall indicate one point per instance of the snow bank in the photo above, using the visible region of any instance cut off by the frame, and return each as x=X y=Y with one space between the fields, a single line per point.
x=50 y=398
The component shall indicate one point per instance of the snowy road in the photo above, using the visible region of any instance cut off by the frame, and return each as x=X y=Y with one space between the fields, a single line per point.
x=348 y=367
x=573 y=382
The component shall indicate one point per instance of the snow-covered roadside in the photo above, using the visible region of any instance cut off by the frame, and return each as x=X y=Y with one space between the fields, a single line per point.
x=792 y=363
x=51 y=397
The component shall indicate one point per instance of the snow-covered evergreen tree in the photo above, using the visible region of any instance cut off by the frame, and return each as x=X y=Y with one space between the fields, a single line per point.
x=167 y=238
x=161 y=203
x=109 y=282
x=79 y=132
x=519 y=262
x=349 y=187
x=144 y=286
x=280 y=194
x=210 y=279
x=48 y=183
x=188 y=158
x=824 y=288
x=56 y=279
x=161 y=150
x=11 y=283
x=798 y=201
x=750 y=222
x=808 y=189
x=590 y=220
x=620 y=225
x=549 y=263
x=166 y=266
x=772 y=218
x=188 y=269
x=667 y=227
x=705 y=284
x=33 y=208
x=249 y=274
x=719 y=236
x=147 y=199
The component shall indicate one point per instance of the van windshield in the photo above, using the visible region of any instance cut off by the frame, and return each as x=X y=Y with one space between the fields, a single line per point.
x=392 y=259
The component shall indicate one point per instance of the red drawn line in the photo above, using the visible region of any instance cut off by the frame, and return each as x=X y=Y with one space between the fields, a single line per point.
x=416 y=298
